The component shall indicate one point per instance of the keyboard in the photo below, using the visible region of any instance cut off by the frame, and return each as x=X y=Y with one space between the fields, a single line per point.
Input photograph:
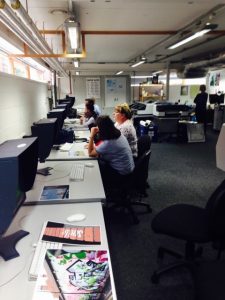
x=39 y=256
x=77 y=172
x=66 y=147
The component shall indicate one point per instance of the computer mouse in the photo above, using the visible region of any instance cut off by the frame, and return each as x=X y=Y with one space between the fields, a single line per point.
x=89 y=165
x=76 y=218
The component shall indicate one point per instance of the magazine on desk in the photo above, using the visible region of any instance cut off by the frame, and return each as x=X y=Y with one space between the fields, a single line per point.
x=55 y=192
x=71 y=234
x=75 y=275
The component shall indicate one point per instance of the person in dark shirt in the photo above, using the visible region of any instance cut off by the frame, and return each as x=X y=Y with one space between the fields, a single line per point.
x=200 y=108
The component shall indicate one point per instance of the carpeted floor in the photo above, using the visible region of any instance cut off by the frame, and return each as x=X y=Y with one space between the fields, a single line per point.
x=184 y=173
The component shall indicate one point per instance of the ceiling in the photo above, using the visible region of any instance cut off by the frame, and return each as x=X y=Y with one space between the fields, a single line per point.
x=118 y=32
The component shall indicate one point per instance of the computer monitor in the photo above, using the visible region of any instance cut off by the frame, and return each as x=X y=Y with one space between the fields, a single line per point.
x=60 y=114
x=216 y=98
x=18 y=167
x=68 y=100
x=46 y=130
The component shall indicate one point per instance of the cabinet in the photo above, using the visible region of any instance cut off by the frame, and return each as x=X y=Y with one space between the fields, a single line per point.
x=151 y=92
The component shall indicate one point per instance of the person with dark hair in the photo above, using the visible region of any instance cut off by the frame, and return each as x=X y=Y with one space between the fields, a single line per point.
x=89 y=118
x=115 y=156
x=96 y=107
x=200 y=108
x=122 y=116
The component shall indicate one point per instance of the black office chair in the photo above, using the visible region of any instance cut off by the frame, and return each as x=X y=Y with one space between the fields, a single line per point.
x=193 y=224
x=144 y=145
x=123 y=193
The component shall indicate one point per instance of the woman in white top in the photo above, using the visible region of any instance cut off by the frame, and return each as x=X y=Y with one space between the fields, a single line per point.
x=122 y=116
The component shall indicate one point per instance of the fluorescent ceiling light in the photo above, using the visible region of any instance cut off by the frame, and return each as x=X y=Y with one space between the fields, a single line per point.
x=138 y=76
x=138 y=63
x=120 y=72
x=73 y=35
x=76 y=64
x=190 y=38
x=77 y=73
x=158 y=72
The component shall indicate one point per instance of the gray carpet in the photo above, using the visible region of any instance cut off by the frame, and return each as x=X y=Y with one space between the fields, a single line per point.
x=178 y=173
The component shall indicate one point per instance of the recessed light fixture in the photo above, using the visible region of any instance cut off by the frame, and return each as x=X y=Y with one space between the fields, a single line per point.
x=120 y=72
x=58 y=11
x=76 y=64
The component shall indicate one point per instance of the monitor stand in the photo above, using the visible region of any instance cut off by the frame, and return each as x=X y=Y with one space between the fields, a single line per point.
x=8 y=244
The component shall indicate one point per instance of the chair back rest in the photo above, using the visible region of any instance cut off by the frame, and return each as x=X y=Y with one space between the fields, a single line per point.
x=140 y=172
x=215 y=208
x=144 y=144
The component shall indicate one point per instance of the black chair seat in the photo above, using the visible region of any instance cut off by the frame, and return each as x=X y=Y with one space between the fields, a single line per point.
x=183 y=221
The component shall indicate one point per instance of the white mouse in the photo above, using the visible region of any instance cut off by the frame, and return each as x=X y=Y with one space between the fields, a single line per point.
x=89 y=164
x=76 y=218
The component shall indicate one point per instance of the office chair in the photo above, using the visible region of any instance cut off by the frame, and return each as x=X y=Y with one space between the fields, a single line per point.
x=122 y=193
x=194 y=225
x=144 y=144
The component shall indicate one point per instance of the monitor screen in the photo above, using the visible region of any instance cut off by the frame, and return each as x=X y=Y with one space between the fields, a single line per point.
x=46 y=130
x=18 y=167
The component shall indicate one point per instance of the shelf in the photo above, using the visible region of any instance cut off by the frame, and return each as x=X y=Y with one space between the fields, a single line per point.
x=151 y=92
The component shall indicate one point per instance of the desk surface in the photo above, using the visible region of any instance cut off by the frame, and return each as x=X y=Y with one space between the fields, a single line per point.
x=90 y=189
x=14 y=283
x=77 y=152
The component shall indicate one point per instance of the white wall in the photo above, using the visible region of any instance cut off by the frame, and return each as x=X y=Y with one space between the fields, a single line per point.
x=80 y=92
x=22 y=102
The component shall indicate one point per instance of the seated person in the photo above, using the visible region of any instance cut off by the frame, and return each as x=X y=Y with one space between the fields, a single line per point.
x=122 y=116
x=89 y=117
x=96 y=107
x=115 y=156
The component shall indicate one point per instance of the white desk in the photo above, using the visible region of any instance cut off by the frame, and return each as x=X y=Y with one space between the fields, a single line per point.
x=77 y=152
x=90 y=189
x=82 y=133
x=14 y=283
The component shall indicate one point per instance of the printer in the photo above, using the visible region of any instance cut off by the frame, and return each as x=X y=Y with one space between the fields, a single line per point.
x=169 y=109
x=142 y=108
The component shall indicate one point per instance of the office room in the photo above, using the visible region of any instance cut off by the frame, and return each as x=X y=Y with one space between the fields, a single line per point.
x=159 y=57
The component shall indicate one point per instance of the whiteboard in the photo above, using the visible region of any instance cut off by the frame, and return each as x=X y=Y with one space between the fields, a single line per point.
x=115 y=91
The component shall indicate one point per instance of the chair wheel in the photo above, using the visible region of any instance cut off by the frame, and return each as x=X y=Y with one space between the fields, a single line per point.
x=155 y=278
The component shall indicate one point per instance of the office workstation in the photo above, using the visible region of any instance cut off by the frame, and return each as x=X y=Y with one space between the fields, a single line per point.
x=19 y=243
x=88 y=188
x=33 y=95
